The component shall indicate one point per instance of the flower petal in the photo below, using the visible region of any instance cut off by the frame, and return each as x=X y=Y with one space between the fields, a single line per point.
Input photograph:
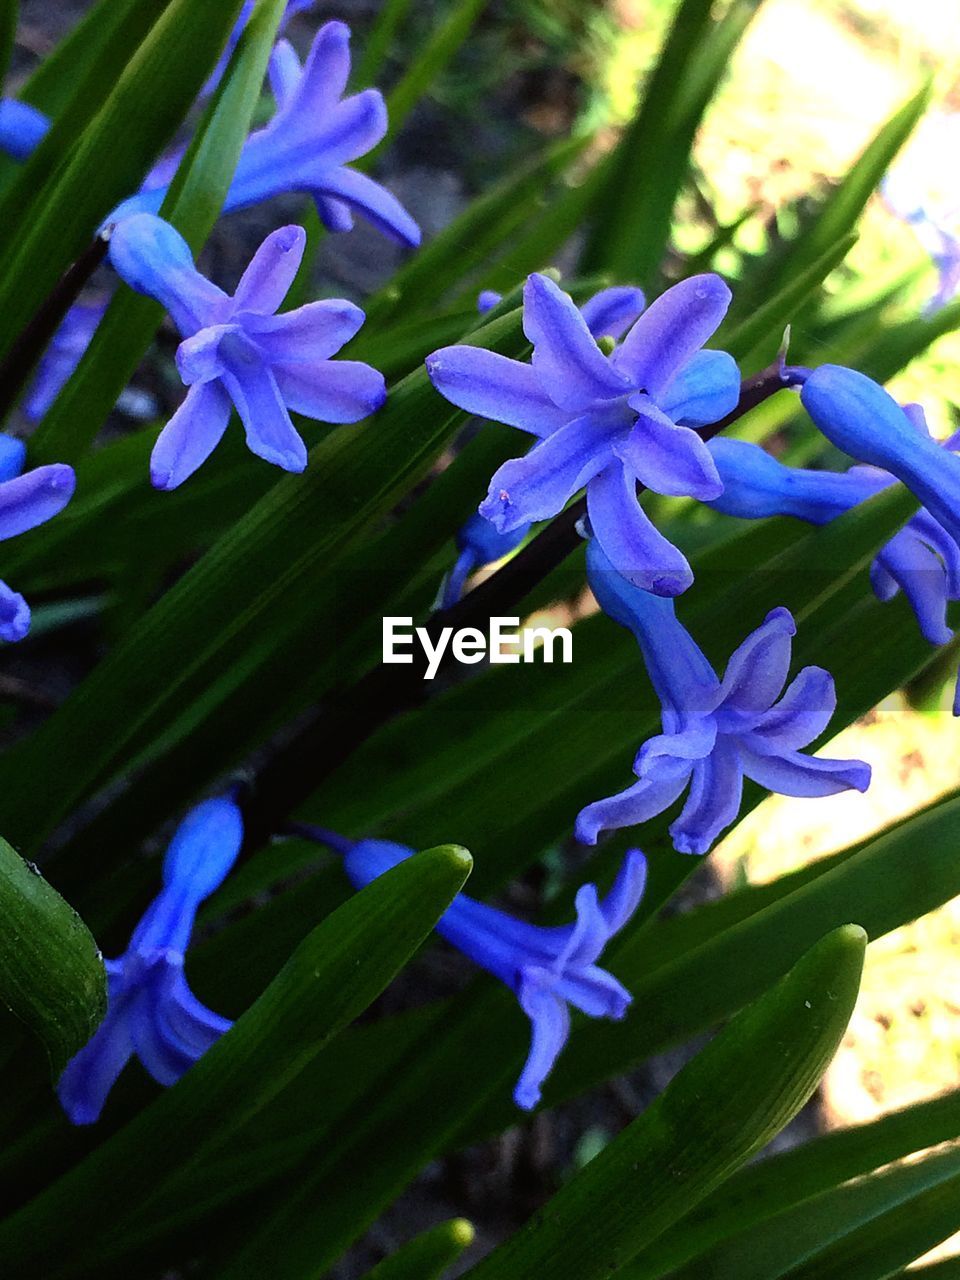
x=756 y=485
x=270 y=433
x=331 y=390
x=716 y=791
x=679 y=672
x=644 y=800
x=22 y=128
x=799 y=717
x=794 y=774
x=271 y=272
x=705 y=390
x=190 y=436
x=14 y=615
x=624 y=898
x=90 y=1074
x=284 y=72
x=863 y=420
x=666 y=458
x=671 y=331
x=758 y=668
x=309 y=334
x=13 y=456
x=346 y=187
x=204 y=847
x=908 y=563
x=326 y=71
x=495 y=387
x=550 y=1024
x=611 y=311
x=693 y=742
x=594 y=991
x=630 y=541
x=539 y=485
x=589 y=934
x=153 y=258
x=33 y=498
x=565 y=353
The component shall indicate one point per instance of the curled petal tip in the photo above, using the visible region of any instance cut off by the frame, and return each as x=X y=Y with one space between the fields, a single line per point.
x=784 y=618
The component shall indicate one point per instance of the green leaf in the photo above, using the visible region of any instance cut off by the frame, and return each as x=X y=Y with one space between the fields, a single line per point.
x=755 y=340
x=704 y=1126
x=436 y=54
x=842 y=208
x=798 y=1241
x=645 y=176
x=376 y=47
x=332 y=977
x=51 y=973
x=192 y=205
x=427 y=1257
x=763 y=1192
x=156 y=89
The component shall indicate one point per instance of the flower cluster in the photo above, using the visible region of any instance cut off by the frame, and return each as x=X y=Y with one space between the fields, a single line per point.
x=151 y=1011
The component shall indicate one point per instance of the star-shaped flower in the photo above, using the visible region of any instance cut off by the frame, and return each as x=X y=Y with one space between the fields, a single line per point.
x=308 y=145
x=151 y=1011
x=237 y=352
x=716 y=732
x=604 y=421
x=548 y=969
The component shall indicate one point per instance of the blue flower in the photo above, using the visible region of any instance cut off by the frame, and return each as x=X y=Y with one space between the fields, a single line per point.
x=716 y=732
x=236 y=351
x=22 y=128
x=864 y=420
x=478 y=544
x=608 y=314
x=604 y=422
x=26 y=501
x=921 y=559
x=548 y=969
x=151 y=1011
x=60 y=360
x=307 y=145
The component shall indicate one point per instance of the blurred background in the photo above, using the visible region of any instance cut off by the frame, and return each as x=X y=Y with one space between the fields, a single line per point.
x=809 y=86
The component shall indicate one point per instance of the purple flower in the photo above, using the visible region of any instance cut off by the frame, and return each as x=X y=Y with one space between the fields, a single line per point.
x=151 y=1011
x=716 y=732
x=26 y=501
x=548 y=969
x=307 y=145
x=608 y=314
x=604 y=422
x=22 y=128
x=60 y=360
x=478 y=544
x=921 y=559
x=863 y=420
x=237 y=352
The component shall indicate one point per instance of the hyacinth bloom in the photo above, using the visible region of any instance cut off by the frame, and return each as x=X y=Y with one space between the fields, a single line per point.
x=237 y=352
x=151 y=1011
x=605 y=422
x=26 y=500
x=608 y=313
x=308 y=144
x=548 y=969
x=864 y=420
x=716 y=732
x=921 y=559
